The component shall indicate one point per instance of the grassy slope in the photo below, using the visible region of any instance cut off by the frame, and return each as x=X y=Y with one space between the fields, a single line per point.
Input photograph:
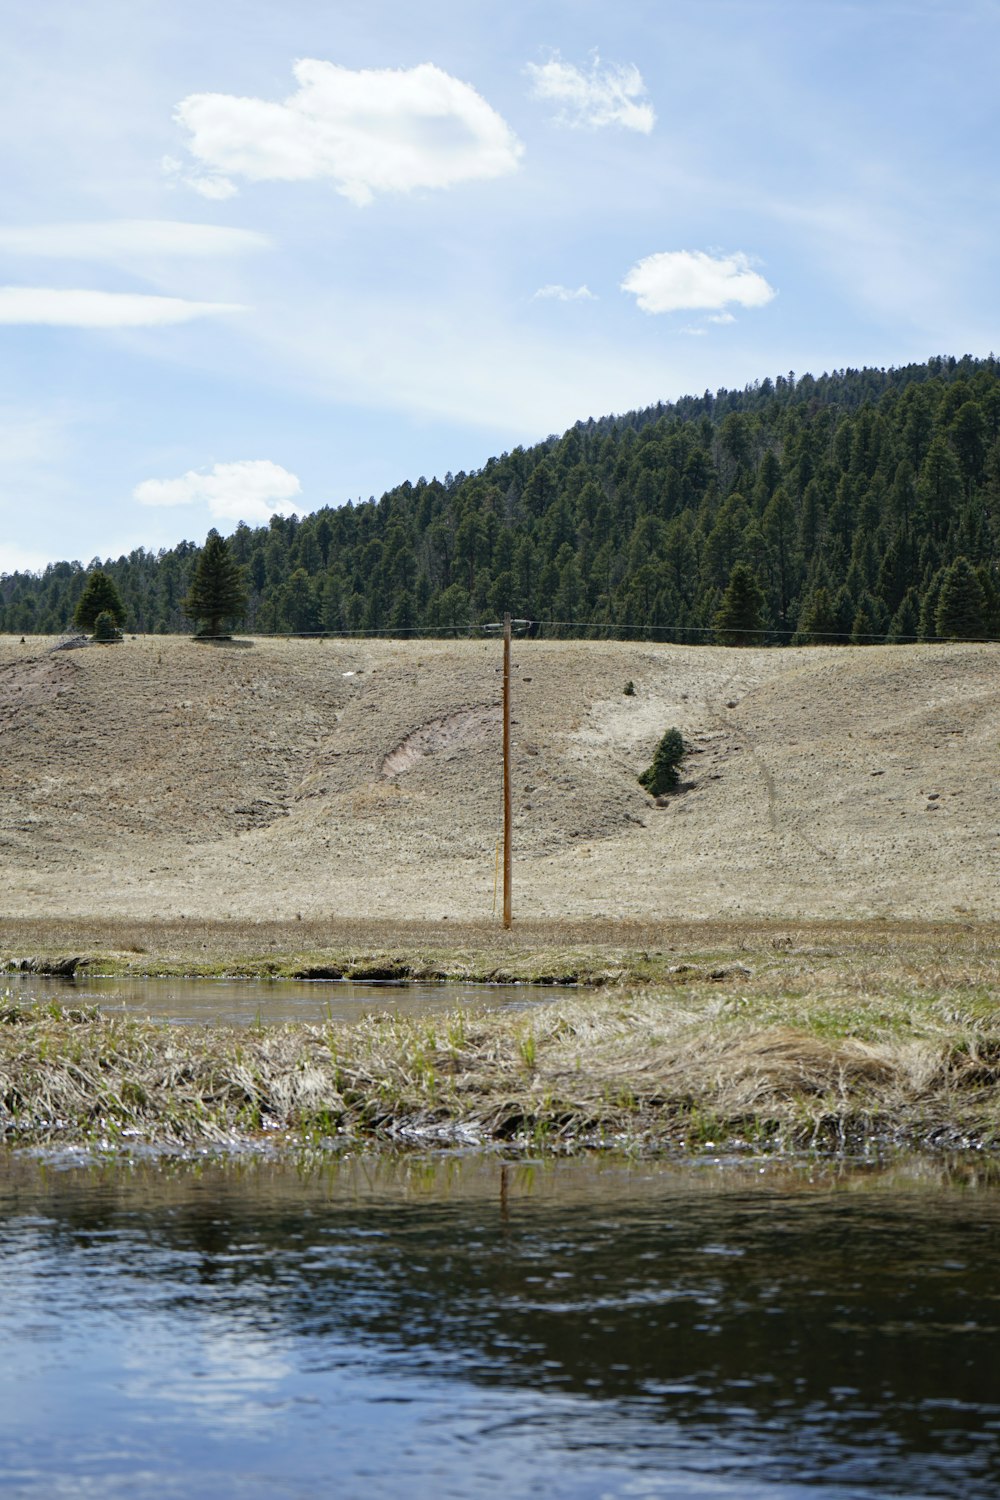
x=800 y=950
x=351 y=781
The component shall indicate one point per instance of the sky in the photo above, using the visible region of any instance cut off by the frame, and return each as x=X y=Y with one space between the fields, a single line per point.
x=261 y=256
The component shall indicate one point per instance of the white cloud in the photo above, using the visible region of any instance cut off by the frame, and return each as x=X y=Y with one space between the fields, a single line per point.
x=249 y=490
x=84 y=309
x=565 y=293
x=689 y=279
x=723 y=318
x=129 y=238
x=609 y=95
x=216 y=188
x=371 y=131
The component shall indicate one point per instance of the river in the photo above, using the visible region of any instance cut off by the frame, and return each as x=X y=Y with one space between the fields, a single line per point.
x=460 y=1325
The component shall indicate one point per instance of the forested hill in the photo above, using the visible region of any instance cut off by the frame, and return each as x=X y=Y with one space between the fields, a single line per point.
x=861 y=505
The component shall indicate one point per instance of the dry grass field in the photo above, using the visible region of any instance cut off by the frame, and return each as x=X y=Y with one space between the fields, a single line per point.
x=800 y=949
x=277 y=781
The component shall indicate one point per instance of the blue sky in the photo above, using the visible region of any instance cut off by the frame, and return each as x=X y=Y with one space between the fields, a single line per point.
x=263 y=257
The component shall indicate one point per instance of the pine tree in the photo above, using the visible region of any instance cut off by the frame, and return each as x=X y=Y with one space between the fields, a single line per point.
x=99 y=595
x=927 y=627
x=738 y=618
x=864 y=626
x=991 y=595
x=940 y=488
x=218 y=593
x=662 y=776
x=961 y=610
x=905 y=622
x=817 y=621
x=106 y=631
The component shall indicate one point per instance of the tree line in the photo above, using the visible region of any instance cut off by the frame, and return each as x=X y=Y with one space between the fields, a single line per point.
x=858 y=506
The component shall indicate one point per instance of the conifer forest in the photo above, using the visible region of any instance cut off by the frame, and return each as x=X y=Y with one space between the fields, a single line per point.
x=858 y=506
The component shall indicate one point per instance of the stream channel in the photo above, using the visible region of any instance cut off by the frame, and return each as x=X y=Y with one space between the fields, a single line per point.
x=458 y=1324
x=247 y=1002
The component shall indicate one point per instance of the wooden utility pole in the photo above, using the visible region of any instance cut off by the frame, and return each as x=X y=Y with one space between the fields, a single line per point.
x=506 y=773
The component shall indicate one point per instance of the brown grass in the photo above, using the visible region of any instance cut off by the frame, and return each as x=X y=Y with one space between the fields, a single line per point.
x=800 y=950
x=854 y=1058
x=597 y=951
x=345 y=780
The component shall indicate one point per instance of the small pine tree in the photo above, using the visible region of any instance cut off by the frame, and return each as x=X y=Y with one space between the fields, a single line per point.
x=927 y=627
x=663 y=776
x=739 y=616
x=903 y=629
x=817 y=621
x=106 y=630
x=218 y=593
x=961 y=609
x=844 y=610
x=866 y=625
x=991 y=595
x=99 y=596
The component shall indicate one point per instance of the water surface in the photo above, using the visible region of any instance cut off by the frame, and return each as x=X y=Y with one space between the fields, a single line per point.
x=244 y=1002
x=455 y=1326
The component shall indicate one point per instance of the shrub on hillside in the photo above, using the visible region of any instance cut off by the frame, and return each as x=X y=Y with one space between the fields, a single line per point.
x=106 y=630
x=663 y=775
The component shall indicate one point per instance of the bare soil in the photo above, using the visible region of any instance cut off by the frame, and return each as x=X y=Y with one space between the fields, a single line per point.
x=166 y=779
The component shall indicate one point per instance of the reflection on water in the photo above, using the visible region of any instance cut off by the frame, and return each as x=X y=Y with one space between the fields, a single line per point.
x=463 y=1327
x=244 y=1002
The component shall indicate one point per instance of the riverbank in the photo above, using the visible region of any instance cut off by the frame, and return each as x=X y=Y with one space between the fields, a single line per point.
x=586 y=952
x=862 y=1050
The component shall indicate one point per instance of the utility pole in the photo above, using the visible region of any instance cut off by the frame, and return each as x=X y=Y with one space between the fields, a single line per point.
x=507 y=918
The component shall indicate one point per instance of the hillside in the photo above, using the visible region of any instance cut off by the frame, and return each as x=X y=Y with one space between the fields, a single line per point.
x=363 y=778
x=865 y=506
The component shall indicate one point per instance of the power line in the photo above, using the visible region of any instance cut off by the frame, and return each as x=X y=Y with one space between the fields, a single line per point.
x=601 y=627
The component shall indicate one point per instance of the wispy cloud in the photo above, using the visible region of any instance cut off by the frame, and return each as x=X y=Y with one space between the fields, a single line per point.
x=688 y=279
x=371 y=131
x=208 y=185
x=129 y=239
x=557 y=293
x=896 y=255
x=21 y=559
x=63 y=308
x=248 y=490
x=216 y=189
x=612 y=94
x=529 y=376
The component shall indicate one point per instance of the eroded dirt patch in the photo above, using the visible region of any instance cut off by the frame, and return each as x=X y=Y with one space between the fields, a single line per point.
x=25 y=685
x=449 y=735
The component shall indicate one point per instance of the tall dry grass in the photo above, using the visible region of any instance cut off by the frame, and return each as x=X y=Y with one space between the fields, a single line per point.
x=845 y=1069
